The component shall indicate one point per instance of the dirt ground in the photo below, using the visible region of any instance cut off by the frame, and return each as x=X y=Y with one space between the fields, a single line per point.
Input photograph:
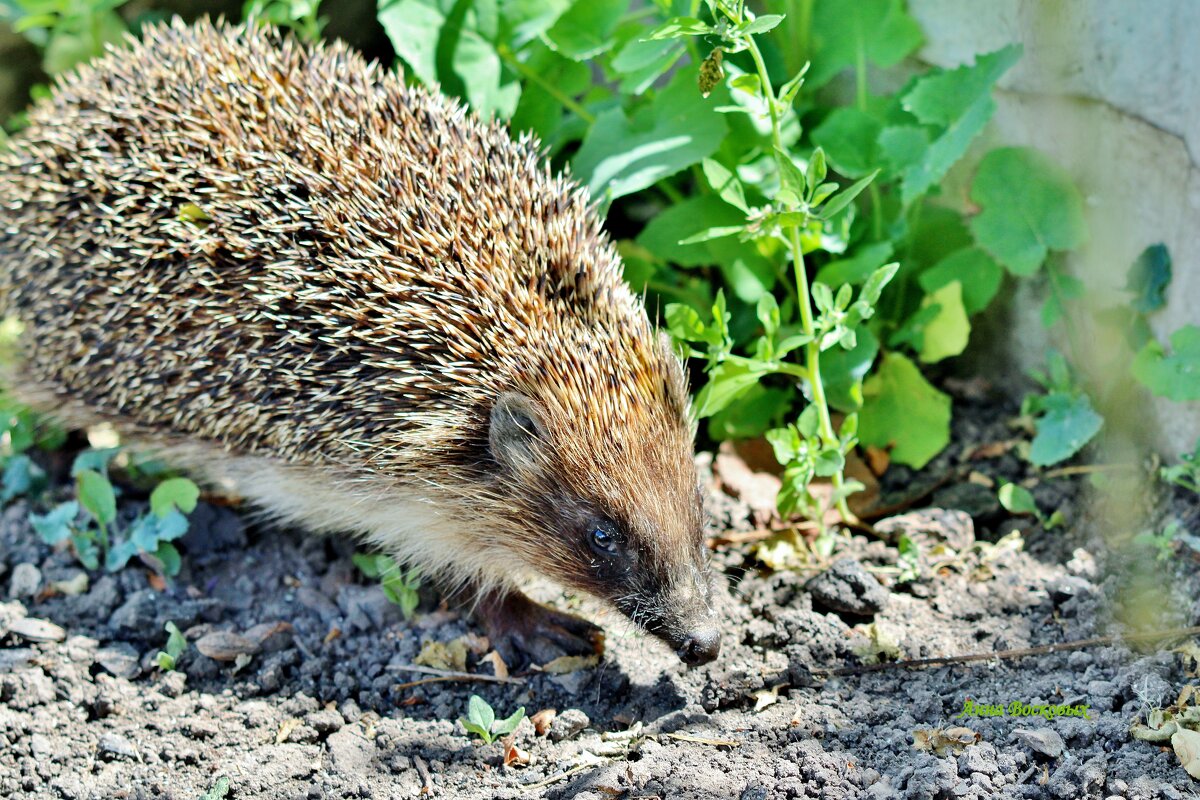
x=321 y=710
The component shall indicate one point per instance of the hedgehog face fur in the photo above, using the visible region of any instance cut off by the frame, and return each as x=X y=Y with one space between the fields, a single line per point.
x=366 y=310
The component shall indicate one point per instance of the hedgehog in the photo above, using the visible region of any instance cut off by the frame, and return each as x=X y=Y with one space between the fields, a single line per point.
x=365 y=311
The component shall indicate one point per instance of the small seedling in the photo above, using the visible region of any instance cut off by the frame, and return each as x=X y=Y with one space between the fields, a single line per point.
x=176 y=644
x=1186 y=473
x=219 y=790
x=1019 y=500
x=481 y=720
x=400 y=587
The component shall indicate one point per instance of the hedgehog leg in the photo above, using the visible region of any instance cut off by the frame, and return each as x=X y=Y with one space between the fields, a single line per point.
x=525 y=632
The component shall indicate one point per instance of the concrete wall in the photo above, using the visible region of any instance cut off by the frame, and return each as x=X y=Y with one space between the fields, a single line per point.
x=1110 y=90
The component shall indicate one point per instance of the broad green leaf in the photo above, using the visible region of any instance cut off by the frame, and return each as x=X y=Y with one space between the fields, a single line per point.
x=367 y=564
x=1066 y=424
x=586 y=29
x=95 y=459
x=752 y=415
x=878 y=31
x=21 y=476
x=480 y=713
x=978 y=273
x=942 y=97
x=829 y=462
x=947 y=333
x=725 y=184
x=488 y=88
x=676 y=129
x=902 y=146
x=1175 y=376
x=414 y=28
x=959 y=103
x=509 y=724
x=174 y=493
x=1148 y=278
x=69 y=47
x=858 y=267
x=842 y=371
x=1017 y=500
x=679 y=222
x=1030 y=207
x=849 y=138
x=539 y=110
x=641 y=63
x=727 y=382
x=96 y=495
x=527 y=19
x=168 y=559
x=903 y=410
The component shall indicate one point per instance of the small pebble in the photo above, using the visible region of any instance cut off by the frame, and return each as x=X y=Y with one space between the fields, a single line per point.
x=119 y=659
x=1041 y=740
x=37 y=630
x=25 y=581
x=113 y=746
x=568 y=724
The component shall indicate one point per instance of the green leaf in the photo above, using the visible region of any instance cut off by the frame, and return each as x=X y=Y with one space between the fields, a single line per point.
x=641 y=63
x=791 y=179
x=1017 y=500
x=414 y=28
x=95 y=459
x=677 y=27
x=174 y=493
x=367 y=564
x=942 y=97
x=1175 y=376
x=843 y=198
x=1066 y=424
x=96 y=495
x=1148 y=278
x=674 y=130
x=829 y=463
x=959 y=102
x=685 y=324
x=858 y=267
x=667 y=232
x=1030 y=207
x=586 y=29
x=728 y=381
x=947 y=333
x=480 y=717
x=725 y=183
x=762 y=24
x=509 y=724
x=902 y=146
x=880 y=30
x=487 y=87
x=842 y=371
x=754 y=413
x=21 y=476
x=55 y=525
x=168 y=559
x=220 y=787
x=902 y=409
x=978 y=273
x=528 y=19
x=849 y=138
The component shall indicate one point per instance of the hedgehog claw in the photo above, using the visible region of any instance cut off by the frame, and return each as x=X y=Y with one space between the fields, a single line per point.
x=524 y=632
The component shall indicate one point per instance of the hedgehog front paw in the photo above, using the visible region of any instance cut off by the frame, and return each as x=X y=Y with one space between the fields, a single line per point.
x=525 y=632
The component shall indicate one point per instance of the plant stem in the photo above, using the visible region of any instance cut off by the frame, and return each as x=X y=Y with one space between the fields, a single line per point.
x=535 y=77
x=813 y=348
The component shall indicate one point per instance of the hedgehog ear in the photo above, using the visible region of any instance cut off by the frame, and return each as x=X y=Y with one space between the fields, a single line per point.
x=516 y=433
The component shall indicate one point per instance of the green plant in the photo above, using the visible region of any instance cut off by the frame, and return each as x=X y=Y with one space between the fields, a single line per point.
x=481 y=720
x=176 y=644
x=1063 y=415
x=67 y=32
x=298 y=15
x=399 y=586
x=1019 y=500
x=88 y=522
x=1186 y=473
x=219 y=789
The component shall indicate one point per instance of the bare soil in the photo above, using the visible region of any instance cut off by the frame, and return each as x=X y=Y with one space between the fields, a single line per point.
x=321 y=708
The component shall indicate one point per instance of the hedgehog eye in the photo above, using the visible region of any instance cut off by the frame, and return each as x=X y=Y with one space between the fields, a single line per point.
x=603 y=539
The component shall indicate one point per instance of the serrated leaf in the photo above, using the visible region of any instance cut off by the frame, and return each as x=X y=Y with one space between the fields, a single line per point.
x=1066 y=424
x=1174 y=375
x=942 y=97
x=904 y=410
x=1030 y=207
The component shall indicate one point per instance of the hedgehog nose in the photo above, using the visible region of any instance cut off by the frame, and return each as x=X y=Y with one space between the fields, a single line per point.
x=700 y=647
